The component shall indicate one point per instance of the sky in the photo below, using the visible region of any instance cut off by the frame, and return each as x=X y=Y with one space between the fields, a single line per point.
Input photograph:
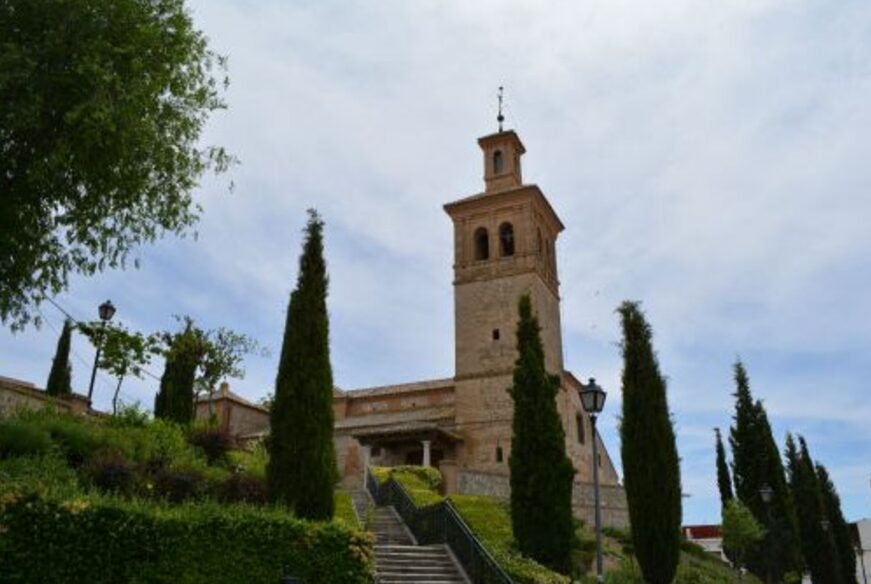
x=709 y=159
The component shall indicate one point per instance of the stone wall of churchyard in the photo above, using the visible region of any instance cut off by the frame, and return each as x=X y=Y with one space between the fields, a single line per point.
x=615 y=512
x=16 y=395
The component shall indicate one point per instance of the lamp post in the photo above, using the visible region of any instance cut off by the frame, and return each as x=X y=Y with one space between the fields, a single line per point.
x=766 y=493
x=106 y=312
x=593 y=400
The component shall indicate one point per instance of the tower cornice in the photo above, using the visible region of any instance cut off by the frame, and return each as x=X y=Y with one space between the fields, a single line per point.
x=486 y=200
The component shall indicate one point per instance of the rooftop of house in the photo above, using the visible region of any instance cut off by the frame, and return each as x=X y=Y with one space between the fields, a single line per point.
x=224 y=393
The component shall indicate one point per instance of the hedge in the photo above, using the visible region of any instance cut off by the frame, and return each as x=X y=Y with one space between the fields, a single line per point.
x=107 y=540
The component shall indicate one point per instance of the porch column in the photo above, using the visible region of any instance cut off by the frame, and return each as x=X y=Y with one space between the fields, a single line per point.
x=367 y=455
x=426 y=459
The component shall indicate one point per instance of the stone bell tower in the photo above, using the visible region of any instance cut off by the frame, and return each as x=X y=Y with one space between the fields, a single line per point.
x=504 y=247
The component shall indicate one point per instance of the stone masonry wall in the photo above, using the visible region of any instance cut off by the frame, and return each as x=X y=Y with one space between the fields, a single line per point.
x=615 y=512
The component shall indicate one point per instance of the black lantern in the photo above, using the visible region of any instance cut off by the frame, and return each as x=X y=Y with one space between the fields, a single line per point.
x=766 y=492
x=593 y=397
x=107 y=310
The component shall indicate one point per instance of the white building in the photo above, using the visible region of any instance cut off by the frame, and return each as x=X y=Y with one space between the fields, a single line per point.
x=863 y=560
x=708 y=537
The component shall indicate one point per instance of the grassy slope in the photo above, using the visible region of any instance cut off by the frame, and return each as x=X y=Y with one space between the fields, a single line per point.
x=490 y=519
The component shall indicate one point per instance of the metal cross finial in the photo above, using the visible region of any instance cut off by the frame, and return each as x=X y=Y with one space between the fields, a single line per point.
x=500 y=118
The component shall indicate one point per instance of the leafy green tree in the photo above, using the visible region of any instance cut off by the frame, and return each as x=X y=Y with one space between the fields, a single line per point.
x=223 y=357
x=302 y=461
x=60 y=377
x=541 y=473
x=649 y=453
x=104 y=103
x=756 y=463
x=818 y=546
x=123 y=352
x=840 y=530
x=724 y=479
x=740 y=531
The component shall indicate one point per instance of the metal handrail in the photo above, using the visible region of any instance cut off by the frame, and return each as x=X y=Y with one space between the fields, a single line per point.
x=440 y=523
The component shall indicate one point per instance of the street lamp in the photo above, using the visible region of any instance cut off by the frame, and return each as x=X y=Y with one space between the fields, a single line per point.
x=106 y=312
x=593 y=400
x=766 y=493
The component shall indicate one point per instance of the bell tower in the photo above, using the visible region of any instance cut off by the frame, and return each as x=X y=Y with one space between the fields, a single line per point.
x=504 y=247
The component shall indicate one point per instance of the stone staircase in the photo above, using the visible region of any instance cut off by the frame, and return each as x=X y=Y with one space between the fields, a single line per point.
x=398 y=558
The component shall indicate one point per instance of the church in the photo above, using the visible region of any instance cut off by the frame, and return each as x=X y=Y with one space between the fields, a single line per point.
x=504 y=247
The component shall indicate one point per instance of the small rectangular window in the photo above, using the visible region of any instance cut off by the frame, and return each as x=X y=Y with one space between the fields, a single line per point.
x=498 y=454
x=495 y=334
x=582 y=437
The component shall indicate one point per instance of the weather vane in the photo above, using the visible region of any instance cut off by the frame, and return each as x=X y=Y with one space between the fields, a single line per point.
x=500 y=118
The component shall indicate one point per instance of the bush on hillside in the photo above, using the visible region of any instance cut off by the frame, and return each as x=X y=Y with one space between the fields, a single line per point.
x=177 y=485
x=18 y=438
x=46 y=475
x=110 y=472
x=214 y=442
x=101 y=540
x=243 y=487
x=78 y=440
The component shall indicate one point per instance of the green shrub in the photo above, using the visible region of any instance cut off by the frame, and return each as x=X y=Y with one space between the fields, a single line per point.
x=45 y=475
x=212 y=441
x=78 y=439
x=19 y=438
x=130 y=416
x=103 y=540
x=421 y=483
x=110 y=472
x=177 y=485
x=345 y=509
x=251 y=461
x=242 y=487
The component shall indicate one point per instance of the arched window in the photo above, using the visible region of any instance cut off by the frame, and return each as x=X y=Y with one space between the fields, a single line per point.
x=498 y=162
x=506 y=239
x=482 y=244
x=582 y=436
x=539 y=242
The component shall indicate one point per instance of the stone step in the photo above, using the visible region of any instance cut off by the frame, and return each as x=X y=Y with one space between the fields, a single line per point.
x=412 y=550
x=399 y=578
x=410 y=560
x=448 y=569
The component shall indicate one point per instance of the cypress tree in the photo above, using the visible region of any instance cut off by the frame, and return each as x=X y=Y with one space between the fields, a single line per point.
x=756 y=462
x=541 y=473
x=840 y=530
x=59 y=382
x=175 y=399
x=817 y=544
x=724 y=479
x=649 y=453
x=302 y=461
